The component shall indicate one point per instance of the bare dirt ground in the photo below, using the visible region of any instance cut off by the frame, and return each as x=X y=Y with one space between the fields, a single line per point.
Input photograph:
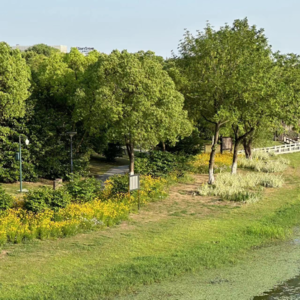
x=183 y=200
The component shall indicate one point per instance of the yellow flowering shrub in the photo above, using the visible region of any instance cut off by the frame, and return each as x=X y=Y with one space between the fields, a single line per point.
x=18 y=224
x=152 y=189
x=222 y=161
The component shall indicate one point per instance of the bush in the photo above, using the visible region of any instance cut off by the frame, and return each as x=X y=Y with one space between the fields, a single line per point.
x=60 y=199
x=119 y=184
x=240 y=187
x=160 y=164
x=38 y=200
x=83 y=190
x=142 y=164
x=223 y=162
x=6 y=200
x=44 y=198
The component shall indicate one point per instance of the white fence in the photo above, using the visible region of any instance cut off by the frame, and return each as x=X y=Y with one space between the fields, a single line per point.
x=281 y=149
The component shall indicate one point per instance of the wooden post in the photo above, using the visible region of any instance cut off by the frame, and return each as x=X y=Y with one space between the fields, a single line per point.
x=128 y=187
x=57 y=183
x=139 y=204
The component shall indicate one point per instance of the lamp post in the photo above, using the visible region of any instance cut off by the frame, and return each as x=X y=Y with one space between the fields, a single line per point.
x=71 y=134
x=20 y=158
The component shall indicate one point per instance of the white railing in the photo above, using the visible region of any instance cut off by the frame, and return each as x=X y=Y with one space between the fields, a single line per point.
x=280 y=149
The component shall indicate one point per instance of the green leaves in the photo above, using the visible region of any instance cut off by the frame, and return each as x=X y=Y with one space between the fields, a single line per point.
x=134 y=98
x=14 y=83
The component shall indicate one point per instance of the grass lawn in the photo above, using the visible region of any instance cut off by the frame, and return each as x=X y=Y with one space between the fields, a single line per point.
x=13 y=188
x=183 y=234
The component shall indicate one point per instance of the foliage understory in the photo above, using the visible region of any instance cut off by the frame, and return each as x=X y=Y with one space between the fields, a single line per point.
x=243 y=187
x=65 y=212
x=117 y=261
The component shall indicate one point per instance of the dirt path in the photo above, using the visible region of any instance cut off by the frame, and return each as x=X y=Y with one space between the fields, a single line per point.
x=121 y=170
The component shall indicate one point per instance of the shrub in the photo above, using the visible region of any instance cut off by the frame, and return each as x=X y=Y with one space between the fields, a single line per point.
x=83 y=190
x=6 y=200
x=46 y=198
x=222 y=162
x=60 y=199
x=151 y=189
x=119 y=184
x=38 y=200
x=160 y=164
x=17 y=225
x=142 y=164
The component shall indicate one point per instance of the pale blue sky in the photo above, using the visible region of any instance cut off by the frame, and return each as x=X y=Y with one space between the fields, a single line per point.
x=140 y=25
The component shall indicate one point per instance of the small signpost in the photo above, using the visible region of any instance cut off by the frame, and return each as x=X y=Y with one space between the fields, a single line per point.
x=134 y=184
x=226 y=144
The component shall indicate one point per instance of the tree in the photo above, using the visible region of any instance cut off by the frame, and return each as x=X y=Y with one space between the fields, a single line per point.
x=55 y=81
x=42 y=49
x=14 y=83
x=279 y=99
x=221 y=67
x=14 y=92
x=134 y=98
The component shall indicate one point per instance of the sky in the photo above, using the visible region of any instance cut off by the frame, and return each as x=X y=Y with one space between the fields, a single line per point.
x=141 y=25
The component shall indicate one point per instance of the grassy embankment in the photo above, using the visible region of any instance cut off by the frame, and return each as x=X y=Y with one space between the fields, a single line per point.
x=185 y=233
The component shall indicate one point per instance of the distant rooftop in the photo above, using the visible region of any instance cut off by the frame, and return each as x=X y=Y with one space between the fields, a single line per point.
x=61 y=48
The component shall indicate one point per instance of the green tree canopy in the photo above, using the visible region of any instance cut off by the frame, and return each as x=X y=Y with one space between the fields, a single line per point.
x=42 y=49
x=224 y=70
x=134 y=98
x=55 y=81
x=14 y=83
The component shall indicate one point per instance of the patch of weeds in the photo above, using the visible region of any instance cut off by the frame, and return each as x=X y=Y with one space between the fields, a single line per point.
x=241 y=187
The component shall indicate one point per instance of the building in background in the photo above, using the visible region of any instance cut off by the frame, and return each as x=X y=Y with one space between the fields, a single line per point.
x=85 y=50
x=61 y=48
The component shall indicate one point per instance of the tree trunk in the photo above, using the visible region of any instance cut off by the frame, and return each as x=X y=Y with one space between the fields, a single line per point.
x=235 y=150
x=211 y=178
x=164 y=146
x=235 y=157
x=130 y=152
x=247 y=143
x=247 y=139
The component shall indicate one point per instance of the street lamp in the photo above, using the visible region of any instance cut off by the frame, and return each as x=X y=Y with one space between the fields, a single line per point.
x=20 y=159
x=71 y=134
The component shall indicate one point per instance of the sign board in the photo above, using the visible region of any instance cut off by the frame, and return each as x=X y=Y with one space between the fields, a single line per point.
x=17 y=156
x=226 y=144
x=85 y=50
x=134 y=182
